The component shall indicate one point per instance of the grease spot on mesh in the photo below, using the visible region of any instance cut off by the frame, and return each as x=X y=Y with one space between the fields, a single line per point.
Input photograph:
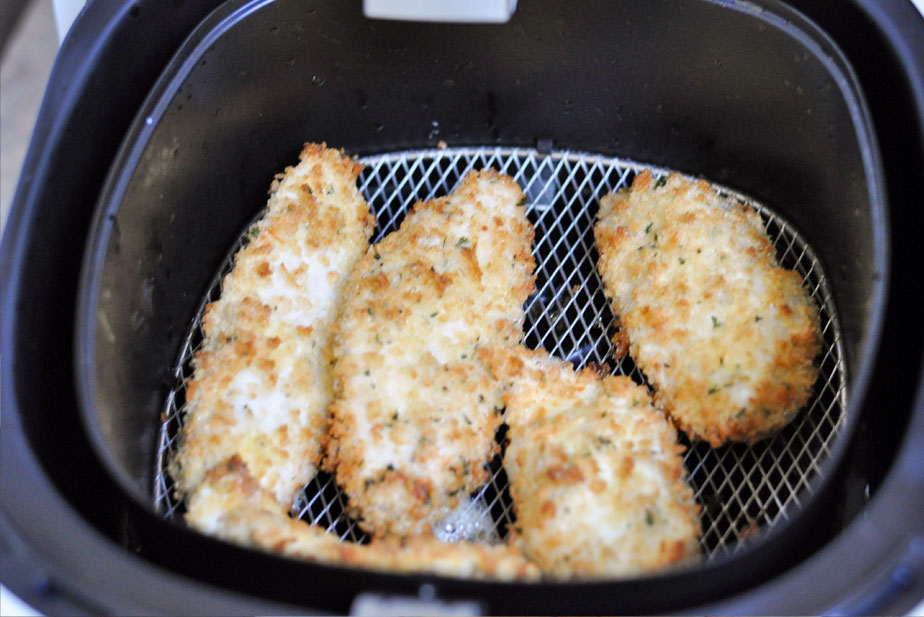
x=470 y=522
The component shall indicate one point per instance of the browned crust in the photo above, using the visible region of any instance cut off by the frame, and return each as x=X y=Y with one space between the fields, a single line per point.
x=264 y=353
x=675 y=253
x=231 y=505
x=415 y=412
x=595 y=471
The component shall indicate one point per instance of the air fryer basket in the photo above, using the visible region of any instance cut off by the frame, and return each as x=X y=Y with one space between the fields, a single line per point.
x=752 y=96
x=742 y=488
x=767 y=108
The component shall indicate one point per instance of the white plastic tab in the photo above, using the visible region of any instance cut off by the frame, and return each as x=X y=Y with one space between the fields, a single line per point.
x=369 y=604
x=455 y=11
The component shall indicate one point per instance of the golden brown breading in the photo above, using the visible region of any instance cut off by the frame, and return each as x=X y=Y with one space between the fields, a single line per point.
x=230 y=504
x=596 y=474
x=725 y=336
x=261 y=384
x=414 y=415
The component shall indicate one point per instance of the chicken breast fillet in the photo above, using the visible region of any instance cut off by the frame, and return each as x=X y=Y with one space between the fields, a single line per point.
x=261 y=383
x=231 y=505
x=595 y=471
x=726 y=337
x=415 y=412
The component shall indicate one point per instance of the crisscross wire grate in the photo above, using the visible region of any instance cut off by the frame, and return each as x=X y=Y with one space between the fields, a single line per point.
x=741 y=488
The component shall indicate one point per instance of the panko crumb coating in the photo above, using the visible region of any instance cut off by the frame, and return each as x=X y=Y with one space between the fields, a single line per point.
x=230 y=504
x=415 y=412
x=726 y=337
x=596 y=474
x=261 y=383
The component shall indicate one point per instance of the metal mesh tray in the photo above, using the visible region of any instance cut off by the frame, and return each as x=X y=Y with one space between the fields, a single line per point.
x=742 y=489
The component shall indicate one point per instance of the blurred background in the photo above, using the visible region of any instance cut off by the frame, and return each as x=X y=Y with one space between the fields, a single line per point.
x=30 y=31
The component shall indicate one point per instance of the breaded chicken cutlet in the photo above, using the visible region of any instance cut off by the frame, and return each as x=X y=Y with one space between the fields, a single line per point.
x=261 y=383
x=725 y=336
x=415 y=413
x=595 y=471
x=231 y=505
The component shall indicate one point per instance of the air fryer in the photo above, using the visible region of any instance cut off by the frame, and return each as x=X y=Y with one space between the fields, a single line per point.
x=190 y=111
